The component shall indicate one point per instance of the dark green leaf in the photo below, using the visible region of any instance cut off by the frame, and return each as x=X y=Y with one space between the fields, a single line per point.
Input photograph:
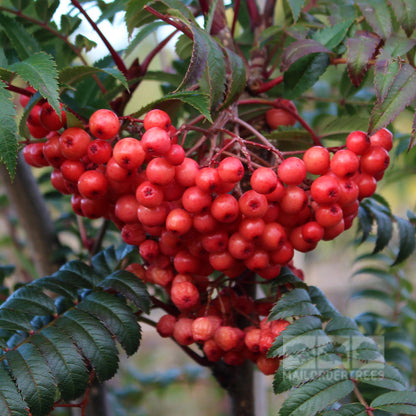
x=401 y=92
x=147 y=30
x=396 y=402
x=33 y=378
x=129 y=286
x=406 y=239
x=198 y=61
x=14 y=320
x=383 y=376
x=195 y=99
x=8 y=131
x=384 y=228
x=296 y=7
x=405 y=11
x=237 y=78
x=117 y=317
x=342 y=326
x=177 y=8
x=341 y=125
x=299 y=49
x=105 y=262
x=59 y=284
x=31 y=300
x=69 y=23
x=360 y=50
x=39 y=70
x=294 y=303
x=378 y=16
x=314 y=396
x=74 y=74
x=64 y=360
x=93 y=340
x=323 y=304
x=304 y=73
x=397 y=45
x=81 y=270
x=137 y=16
x=11 y=402
x=304 y=333
x=82 y=42
x=23 y=42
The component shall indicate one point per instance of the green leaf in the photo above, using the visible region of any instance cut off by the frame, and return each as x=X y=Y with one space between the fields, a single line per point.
x=215 y=70
x=299 y=49
x=237 y=78
x=385 y=70
x=39 y=70
x=323 y=304
x=301 y=335
x=117 y=317
x=195 y=99
x=349 y=409
x=294 y=303
x=198 y=61
x=33 y=378
x=378 y=16
x=296 y=7
x=93 y=340
x=360 y=49
x=396 y=402
x=374 y=294
x=59 y=284
x=400 y=93
x=23 y=42
x=64 y=360
x=397 y=45
x=69 y=23
x=314 y=396
x=72 y=75
x=14 y=320
x=405 y=11
x=8 y=131
x=386 y=377
x=342 y=326
x=44 y=10
x=105 y=262
x=129 y=286
x=11 y=402
x=32 y=300
x=81 y=272
x=332 y=36
x=142 y=34
x=387 y=277
x=407 y=240
x=304 y=73
x=179 y=9
x=342 y=125
x=137 y=16
x=82 y=42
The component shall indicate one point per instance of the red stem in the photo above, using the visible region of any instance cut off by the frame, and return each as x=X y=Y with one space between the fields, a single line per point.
x=235 y=17
x=116 y=57
x=268 y=85
x=253 y=11
x=155 y=51
x=179 y=25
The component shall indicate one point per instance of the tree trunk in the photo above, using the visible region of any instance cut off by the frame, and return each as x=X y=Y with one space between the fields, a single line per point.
x=33 y=216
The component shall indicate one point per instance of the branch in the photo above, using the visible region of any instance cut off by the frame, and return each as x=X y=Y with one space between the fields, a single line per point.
x=116 y=57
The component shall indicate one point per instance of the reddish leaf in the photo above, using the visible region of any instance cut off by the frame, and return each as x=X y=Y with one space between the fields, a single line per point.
x=299 y=49
x=360 y=50
x=399 y=95
x=378 y=16
x=405 y=11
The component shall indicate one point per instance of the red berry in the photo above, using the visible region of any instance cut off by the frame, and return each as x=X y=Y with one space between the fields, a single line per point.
x=178 y=221
x=325 y=189
x=312 y=232
x=231 y=170
x=175 y=155
x=196 y=200
x=182 y=332
x=276 y=117
x=149 y=194
x=228 y=337
x=52 y=151
x=344 y=163
x=133 y=234
x=94 y=208
x=225 y=208
x=273 y=236
x=160 y=172
x=251 y=228
x=50 y=119
x=72 y=170
x=92 y=184
x=383 y=138
x=156 y=118
x=317 y=160
x=149 y=250
x=204 y=327
x=212 y=351
x=292 y=171
x=99 y=151
x=129 y=153
x=263 y=180
x=156 y=141
x=358 y=142
x=186 y=172
x=74 y=143
x=126 y=208
x=268 y=366
x=328 y=215
x=152 y=216
x=252 y=204
x=208 y=179
x=375 y=160
x=104 y=124
x=184 y=295
x=367 y=185
x=166 y=325
x=239 y=247
x=294 y=200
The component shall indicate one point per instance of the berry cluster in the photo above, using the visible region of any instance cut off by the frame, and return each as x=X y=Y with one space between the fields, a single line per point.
x=202 y=231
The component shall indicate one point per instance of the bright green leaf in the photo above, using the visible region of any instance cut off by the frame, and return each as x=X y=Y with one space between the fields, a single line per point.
x=332 y=36
x=296 y=7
